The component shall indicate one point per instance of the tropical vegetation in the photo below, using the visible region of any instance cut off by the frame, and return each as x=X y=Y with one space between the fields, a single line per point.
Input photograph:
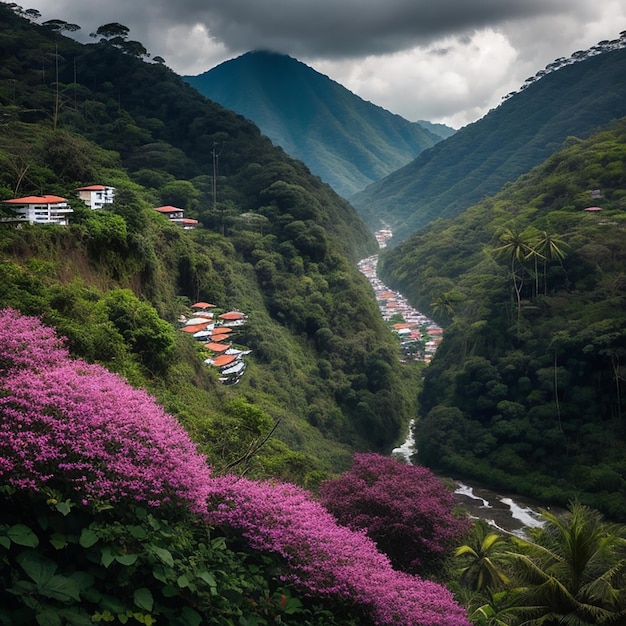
x=111 y=515
x=272 y=241
x=526 y=390
x=572 y=570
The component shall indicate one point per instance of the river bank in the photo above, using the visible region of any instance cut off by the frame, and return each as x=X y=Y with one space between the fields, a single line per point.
x=506 y=512
x=509 y=513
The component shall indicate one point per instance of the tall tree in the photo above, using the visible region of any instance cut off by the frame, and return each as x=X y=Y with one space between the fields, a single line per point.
x=551 y=248
x=516 y=247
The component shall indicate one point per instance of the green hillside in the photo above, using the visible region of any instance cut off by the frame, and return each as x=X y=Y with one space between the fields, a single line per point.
x=273 y=241
x=526 y=390
x=345 y=140
x=574 y=99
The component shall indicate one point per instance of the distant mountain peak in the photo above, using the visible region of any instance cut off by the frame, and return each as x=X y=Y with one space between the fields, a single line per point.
x=345 y=140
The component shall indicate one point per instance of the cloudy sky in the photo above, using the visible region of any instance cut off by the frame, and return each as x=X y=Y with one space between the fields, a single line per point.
x=444 y=61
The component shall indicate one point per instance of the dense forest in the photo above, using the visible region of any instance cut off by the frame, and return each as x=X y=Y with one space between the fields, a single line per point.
x=273 y=241
x=526 y=390
x=571 y=97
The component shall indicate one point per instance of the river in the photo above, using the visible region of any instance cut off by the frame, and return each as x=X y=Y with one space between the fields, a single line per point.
x=501 y=510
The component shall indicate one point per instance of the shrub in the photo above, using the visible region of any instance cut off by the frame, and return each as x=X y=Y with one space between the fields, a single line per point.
x=403 y=508
x=326 y=559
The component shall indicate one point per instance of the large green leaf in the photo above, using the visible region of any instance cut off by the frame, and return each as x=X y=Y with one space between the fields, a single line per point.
x=88 y=538
x=190 y=617
x=164 y=555
x=143 y=599
x=48 y=617
x=22 y=535
x=37 y=567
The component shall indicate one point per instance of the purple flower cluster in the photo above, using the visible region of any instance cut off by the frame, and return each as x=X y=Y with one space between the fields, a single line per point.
x=405 y=509
x=76 y=427
x=67 y=423
x=325 y=558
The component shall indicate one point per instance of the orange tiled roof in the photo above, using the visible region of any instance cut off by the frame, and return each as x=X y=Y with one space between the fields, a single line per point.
x=36 y=200
x=223 y=359
x=168 y=209
x=91 y=188
x=202 y=305
x=217 y=347
x=194 y=328
x=232 y=315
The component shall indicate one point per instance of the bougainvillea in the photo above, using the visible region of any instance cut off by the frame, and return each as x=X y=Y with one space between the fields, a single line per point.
x=405 y=509
x=325 y=558
x=73 y=426
x=76 y=428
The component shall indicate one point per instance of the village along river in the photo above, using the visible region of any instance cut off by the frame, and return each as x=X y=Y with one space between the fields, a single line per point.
x=498 y=509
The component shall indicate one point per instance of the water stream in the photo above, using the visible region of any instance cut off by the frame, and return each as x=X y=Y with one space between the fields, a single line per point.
x=503 y=511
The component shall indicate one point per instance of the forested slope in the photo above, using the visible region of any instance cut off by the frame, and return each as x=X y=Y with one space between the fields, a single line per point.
x=345 y=140
x=574 y=99
x=526 y=391
x=273 y=241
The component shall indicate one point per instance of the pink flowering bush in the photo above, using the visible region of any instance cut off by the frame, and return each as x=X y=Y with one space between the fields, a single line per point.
x=327 y=559
x=403 y=508
x=67 y=424
x=74 y=428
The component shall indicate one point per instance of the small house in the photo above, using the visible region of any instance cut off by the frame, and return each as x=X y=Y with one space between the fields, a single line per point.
x=39 y=210
x=96 y=196
x=176 y=215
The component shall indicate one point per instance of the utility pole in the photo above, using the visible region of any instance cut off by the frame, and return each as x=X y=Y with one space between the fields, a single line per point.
x=215 y=157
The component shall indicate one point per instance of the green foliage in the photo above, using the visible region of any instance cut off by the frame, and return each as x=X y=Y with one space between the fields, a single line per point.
x=273 y=241
x=526 y=390
x=71 y=565
x=571 y=570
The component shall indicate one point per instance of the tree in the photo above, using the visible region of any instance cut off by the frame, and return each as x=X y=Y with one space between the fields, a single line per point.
x=405 y=509
x=111 y=30
x=516 y=247
x=60 y=26
x=483 y=559
x=573 y=570
x=550 y=248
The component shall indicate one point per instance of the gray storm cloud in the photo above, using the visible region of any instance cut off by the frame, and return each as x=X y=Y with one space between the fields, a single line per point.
x=328 y=28
x=323 y=29
x=443 y=60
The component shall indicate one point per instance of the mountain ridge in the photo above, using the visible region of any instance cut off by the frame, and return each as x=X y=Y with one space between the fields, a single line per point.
x=507 y=142
x=347 y=141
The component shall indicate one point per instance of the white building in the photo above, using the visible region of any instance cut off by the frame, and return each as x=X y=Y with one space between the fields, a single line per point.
x=96 y=196
x=176 y=215
x=39 y=210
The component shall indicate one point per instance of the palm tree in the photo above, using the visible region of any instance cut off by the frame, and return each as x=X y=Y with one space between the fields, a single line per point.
x=573 y=572
x=483 y=558
x=442 y=306
x=551 y=248
x=516 y=247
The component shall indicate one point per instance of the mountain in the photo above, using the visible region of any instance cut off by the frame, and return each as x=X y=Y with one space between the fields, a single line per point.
x=346 y=141
x=272 y=241
x=479 y=159
x=526 y=390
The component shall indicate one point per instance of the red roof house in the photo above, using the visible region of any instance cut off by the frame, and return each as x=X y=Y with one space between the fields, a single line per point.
x=39 y=210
